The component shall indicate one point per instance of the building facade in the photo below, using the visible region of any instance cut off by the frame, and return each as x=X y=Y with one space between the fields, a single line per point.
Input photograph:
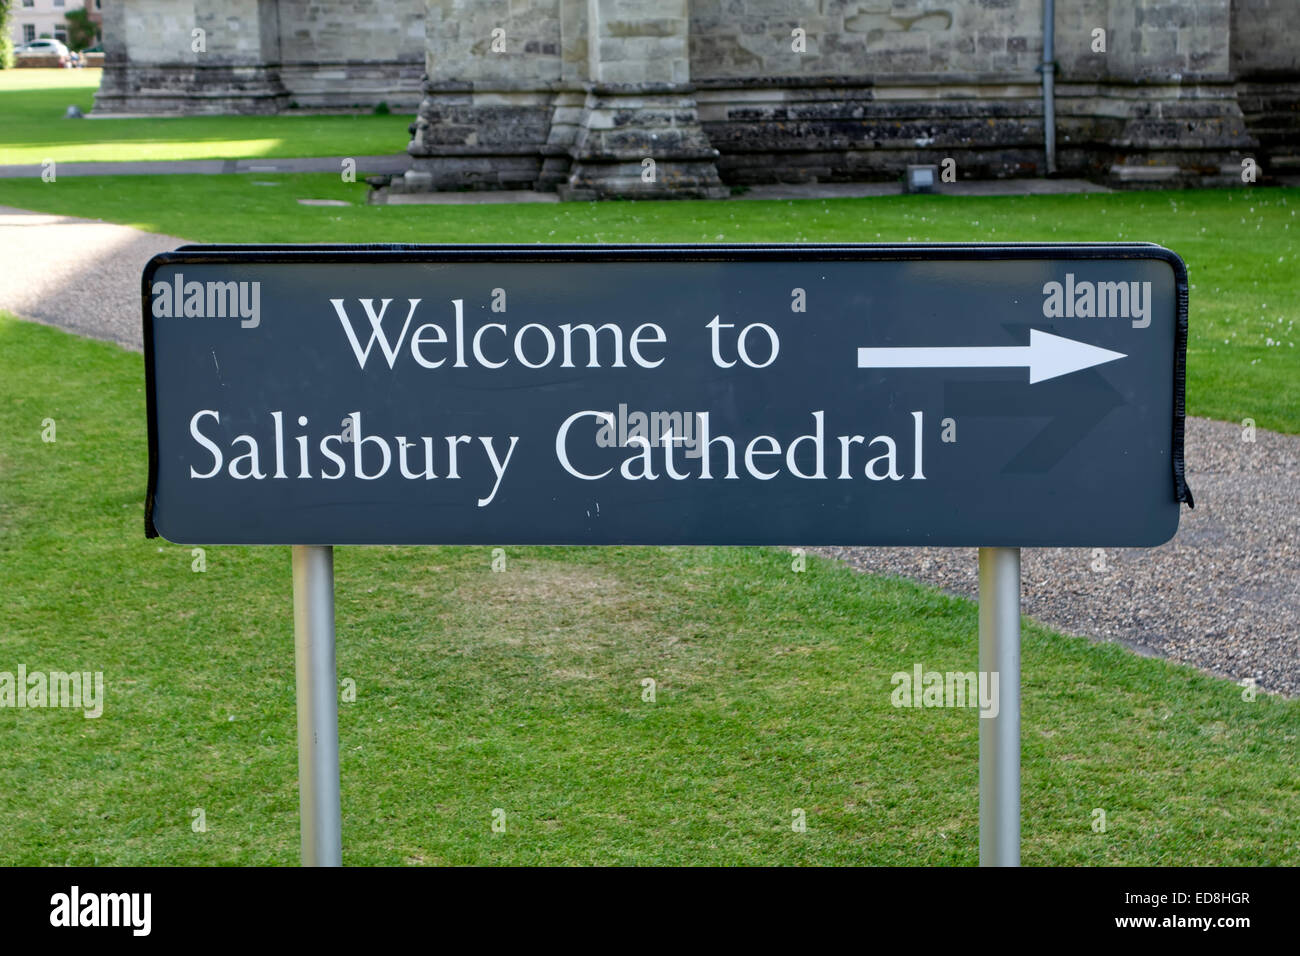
x=602 y=98
x=33 y=19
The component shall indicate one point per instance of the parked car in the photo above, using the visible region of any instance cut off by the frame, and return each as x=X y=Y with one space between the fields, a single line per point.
x=52 y=48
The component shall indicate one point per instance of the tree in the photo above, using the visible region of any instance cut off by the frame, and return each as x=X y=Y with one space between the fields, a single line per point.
x=6 y=43
x=81 y=29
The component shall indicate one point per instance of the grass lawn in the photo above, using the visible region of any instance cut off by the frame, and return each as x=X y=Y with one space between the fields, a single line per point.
x=522 y=690
x=1242 y=247
x=32 y=128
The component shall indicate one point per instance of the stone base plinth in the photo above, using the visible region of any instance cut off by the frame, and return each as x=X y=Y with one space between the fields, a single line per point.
x=466 y=138
x=190 y=89
x=642 y=142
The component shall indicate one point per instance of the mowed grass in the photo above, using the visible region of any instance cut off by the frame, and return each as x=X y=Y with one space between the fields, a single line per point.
x=1242 y=247
x=33 y=130
x=523 y=691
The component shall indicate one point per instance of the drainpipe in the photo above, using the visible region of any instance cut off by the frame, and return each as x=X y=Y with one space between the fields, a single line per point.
x=1048 y=69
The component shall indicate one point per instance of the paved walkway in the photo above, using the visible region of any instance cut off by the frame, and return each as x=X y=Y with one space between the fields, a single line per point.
x=366 y=166
x=80 y=274
x=1006 y=187
x=1224 y=595
x=398 y=163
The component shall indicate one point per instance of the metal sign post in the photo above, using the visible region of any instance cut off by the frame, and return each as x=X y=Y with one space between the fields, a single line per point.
x=318 y=710
x=999 y=597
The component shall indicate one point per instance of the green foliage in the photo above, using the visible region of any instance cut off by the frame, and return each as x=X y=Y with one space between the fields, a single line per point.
x=6 y=40
x=81 y=29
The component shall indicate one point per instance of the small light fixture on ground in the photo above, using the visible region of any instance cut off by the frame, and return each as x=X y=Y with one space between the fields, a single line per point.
x=921 y=179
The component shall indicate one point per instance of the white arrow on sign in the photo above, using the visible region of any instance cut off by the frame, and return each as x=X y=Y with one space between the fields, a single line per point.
x=1046 y=356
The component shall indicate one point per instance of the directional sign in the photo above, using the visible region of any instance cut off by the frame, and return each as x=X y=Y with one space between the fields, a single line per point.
x=873 y=395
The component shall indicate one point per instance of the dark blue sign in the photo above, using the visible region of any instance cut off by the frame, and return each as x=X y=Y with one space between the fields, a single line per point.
x=858 y=395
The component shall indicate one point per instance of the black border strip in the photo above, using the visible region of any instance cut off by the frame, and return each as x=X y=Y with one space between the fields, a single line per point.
x=1182 y=492
x=150 y=392
x=669 y=252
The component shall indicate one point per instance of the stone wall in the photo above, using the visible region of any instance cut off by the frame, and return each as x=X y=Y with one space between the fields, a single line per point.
x=1158 y=106
x=744 y=39
x=867 y=87
x=492 y=67
x=260 y=56
x=156 y=62
x=1265 y=60
x=575 y=95
x=880 y=85
x=341 y=53
x=639 y=133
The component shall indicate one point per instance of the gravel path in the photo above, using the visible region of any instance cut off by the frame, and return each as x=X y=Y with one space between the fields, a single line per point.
x=80 y=274
x=1224 y=595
